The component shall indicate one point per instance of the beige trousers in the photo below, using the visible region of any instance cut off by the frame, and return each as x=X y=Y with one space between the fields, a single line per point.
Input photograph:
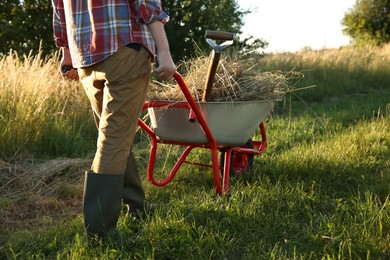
x=116 y=88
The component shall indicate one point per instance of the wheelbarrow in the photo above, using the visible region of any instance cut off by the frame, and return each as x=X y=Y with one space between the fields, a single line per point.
x=221 y=127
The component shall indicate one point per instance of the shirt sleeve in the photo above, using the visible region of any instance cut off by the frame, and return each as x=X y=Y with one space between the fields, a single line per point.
x=151 y=11
x=59 y=24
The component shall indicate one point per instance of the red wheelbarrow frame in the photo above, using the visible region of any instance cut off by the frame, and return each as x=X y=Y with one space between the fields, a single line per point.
x=195 y=114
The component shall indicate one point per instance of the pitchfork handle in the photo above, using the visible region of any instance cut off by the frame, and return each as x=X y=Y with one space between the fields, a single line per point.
x=219 y=35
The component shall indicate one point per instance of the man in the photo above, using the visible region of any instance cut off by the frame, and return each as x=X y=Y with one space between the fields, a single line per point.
x=110 y=44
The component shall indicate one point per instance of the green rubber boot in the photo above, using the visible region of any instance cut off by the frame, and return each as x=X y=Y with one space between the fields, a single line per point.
x=133 y=194
x=101 y=204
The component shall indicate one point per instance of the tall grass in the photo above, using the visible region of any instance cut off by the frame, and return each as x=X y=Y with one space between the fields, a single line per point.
x=320 y=190
x=40 y=112
x=336 y=72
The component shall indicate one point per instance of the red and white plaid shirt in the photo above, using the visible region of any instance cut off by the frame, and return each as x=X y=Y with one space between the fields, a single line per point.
x=95 y=29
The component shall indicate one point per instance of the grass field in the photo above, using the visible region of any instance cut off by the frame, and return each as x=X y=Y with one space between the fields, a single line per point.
x=320 y=190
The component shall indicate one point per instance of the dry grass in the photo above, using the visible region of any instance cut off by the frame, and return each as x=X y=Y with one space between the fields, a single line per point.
x=344 y=59
x=36 y=80
x=235 y=80
x=38 y=107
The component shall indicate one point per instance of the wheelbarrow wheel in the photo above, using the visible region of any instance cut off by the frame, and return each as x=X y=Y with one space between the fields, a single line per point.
x=239 y=162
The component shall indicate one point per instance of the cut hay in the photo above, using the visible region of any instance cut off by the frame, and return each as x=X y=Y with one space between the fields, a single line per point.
x=31 y=193
x=20 y=181
x=235 y=80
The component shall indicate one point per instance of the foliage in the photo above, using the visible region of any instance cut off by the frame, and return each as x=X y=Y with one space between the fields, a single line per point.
x=368 y=22
x=25 y=26
x=191 y=18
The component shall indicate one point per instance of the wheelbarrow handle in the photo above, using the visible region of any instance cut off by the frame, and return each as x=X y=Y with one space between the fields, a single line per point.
x=219 y=35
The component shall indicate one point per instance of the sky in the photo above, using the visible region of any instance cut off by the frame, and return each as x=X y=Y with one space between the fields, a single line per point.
x=290 y=25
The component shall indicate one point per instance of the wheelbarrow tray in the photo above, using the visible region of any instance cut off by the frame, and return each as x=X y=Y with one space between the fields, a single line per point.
x=231 y=123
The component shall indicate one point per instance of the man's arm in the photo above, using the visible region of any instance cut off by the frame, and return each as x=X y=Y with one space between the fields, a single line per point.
x=61 y=39
x=166 y=67
x=154 y=17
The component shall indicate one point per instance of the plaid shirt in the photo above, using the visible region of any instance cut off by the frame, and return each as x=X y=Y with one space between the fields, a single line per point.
x=95 y=29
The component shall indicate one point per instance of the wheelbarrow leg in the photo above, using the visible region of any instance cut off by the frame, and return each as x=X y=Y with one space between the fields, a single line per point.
x=215 y=165
x=226 y=169
x=171 y=175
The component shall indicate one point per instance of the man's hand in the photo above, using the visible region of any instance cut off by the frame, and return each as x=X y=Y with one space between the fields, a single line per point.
x=69 y=72
x=66 y=68
x=166 y=67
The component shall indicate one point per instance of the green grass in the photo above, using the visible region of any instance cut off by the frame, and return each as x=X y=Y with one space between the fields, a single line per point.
x=319 y=191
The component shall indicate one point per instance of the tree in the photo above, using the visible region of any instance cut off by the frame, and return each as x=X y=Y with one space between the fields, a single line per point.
x=368 y=22
x=24 y=25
